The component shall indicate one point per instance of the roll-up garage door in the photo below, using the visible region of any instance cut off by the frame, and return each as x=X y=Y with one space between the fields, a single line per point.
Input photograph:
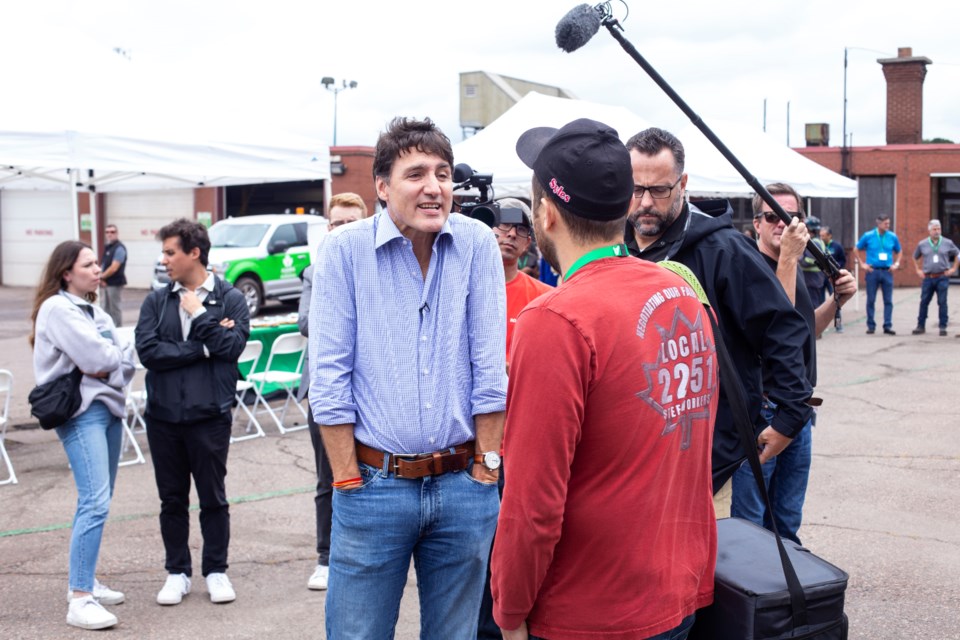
x=32 y=223
x=138 y=216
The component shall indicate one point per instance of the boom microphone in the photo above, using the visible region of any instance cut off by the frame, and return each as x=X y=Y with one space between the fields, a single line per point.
x=582 y=22
x=577 y=27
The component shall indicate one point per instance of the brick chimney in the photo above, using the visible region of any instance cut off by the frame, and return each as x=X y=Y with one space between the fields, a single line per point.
x=905 y=75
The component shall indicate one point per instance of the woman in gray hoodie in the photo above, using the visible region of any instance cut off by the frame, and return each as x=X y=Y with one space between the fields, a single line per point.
x=69 y=332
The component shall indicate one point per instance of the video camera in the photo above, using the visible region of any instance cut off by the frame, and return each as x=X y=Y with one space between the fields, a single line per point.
x=483 y=207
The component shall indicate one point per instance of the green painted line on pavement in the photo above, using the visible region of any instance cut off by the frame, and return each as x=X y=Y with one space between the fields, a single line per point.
x=256 y=497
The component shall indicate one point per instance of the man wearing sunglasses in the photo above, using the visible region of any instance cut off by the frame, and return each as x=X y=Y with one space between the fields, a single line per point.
x=514 y=235
x=783 y=246
x=757 y=321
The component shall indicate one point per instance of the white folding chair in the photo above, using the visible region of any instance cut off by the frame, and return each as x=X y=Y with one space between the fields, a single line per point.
x=135 y=405
x=251 y=355
x=6 y=388
x=136 y=394
x=290 y=345
x=130 y=440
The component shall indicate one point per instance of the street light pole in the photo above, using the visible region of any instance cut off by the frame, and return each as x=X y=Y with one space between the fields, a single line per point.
x=330 y=85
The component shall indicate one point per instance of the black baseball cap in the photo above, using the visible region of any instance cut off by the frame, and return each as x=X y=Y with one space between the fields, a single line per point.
x=583 y=166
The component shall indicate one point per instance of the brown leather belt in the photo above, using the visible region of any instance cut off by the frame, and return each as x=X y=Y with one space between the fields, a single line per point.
x=418 y=465
x=935 y=275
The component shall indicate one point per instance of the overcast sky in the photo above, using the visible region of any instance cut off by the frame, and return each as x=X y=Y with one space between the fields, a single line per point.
x=255 y=66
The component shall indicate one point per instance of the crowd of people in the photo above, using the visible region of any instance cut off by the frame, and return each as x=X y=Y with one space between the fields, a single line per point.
x=552 y=458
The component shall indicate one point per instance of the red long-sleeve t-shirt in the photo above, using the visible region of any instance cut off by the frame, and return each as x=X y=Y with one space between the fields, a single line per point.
x=607 y=527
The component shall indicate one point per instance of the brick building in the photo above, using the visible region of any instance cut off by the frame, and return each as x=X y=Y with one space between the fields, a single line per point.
x=352 y=169
x=906 y=179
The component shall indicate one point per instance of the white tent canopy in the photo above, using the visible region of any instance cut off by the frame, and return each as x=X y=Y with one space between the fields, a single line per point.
x=72 y=160
x=492 y=150
x=43 y=160
x=767 y=159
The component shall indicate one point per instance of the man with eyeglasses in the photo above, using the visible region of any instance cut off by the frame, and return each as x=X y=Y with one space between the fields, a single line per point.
x=757 y=321
x=514 y=237
x=344 y=208
x=783 y=249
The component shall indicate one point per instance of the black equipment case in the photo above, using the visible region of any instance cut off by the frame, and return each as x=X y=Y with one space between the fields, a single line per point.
x=751 y=599
x=765 y=587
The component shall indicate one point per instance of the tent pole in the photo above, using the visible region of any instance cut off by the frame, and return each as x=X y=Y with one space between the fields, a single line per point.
x=856 y=238
x=75 y=205
x=94 y=225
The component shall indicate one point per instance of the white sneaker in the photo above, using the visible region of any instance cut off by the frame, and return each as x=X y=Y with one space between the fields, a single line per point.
x=176 y=586
x=220 y=589
x=102 y=593
x=87 y=613
x=318 y=581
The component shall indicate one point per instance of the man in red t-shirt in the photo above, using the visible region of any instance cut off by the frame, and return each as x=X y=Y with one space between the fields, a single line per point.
x=514 y=233
x=607 y=528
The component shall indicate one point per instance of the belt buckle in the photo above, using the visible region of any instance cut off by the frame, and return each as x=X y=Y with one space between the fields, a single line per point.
x=397 y=457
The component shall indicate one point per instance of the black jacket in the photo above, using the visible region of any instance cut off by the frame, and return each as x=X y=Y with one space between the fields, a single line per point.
x=183 y=385
x=758 y=324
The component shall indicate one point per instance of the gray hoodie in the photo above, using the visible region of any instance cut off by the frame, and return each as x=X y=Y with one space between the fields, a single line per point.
x=71 y=332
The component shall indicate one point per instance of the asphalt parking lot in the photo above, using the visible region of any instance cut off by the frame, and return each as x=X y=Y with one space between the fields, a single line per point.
x=882 y=503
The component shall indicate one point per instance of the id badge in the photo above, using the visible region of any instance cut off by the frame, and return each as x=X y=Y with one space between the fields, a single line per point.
x=936 y=259
x=882 y=256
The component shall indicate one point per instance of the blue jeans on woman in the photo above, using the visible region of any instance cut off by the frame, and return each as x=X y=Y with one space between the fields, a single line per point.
x=786 y=478
x=92 y=442
x=927 y=288
x=444 y=522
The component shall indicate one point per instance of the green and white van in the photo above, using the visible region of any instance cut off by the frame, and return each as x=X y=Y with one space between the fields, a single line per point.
x=263 y=256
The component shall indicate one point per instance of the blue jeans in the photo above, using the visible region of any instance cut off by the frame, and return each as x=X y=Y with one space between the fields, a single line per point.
x=444 y=522
x=884 y=279
x=786 y=479
x=680 y=632
x=927 y=287
x=92 y=443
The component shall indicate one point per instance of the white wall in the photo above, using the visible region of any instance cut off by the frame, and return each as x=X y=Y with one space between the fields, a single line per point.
x=32 y=223
x=138 y=216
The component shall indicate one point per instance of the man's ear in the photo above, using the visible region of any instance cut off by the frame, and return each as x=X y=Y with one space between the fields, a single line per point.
x=381 y=187
x=550 y=215
x=194 y=253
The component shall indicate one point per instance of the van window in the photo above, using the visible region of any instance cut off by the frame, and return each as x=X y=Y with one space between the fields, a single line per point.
x=237 y=235
x=288 y=233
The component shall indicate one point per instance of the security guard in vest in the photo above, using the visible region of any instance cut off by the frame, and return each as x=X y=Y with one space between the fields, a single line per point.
x=112 y=273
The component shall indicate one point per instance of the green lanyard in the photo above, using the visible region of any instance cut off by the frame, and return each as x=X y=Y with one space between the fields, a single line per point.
x=936 y=247
x=883 y=249
x=616 y=251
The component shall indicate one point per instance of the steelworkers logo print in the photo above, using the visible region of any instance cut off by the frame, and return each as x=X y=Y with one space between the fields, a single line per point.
x=682 y=381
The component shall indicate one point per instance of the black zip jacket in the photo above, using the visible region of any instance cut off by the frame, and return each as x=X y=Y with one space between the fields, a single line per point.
x=183 y=384
x=759 y=326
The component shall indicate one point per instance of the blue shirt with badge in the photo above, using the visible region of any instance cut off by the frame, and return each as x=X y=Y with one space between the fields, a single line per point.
x=880 y=247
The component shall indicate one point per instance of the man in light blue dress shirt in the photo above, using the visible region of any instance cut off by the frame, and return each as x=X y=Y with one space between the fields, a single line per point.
x=408 y=384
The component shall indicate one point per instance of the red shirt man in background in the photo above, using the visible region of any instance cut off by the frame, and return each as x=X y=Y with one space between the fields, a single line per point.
x=514 y=237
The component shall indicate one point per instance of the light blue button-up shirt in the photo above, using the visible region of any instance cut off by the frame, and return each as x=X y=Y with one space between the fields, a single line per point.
x=408 y=360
